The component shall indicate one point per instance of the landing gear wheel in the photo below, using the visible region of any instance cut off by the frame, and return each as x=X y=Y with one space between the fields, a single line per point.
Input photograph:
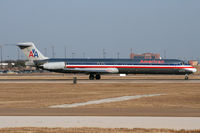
x=91 y=77
x=186 y=77
x=98 y=77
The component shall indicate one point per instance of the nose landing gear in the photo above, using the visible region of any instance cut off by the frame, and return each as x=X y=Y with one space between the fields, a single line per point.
x=92 y=77
x=186 y=77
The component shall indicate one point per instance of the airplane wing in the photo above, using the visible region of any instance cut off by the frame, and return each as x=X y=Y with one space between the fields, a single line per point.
x=93 y=70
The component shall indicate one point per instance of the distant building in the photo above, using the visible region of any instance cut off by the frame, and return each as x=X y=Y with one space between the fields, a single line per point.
x=193 y=62
x=145 y=56
x=5 y=65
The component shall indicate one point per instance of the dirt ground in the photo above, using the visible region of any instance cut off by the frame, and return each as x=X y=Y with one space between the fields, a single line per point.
x=91 y=130
x=29 y=95
x=178 y=99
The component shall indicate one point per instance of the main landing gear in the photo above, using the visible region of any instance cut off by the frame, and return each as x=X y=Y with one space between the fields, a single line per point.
x=93 y=76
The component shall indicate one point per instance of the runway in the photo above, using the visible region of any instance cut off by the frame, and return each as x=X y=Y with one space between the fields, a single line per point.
x=87 y=81
x=101 y=122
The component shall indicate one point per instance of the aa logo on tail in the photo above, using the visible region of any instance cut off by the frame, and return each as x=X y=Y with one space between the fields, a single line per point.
x=33 y=53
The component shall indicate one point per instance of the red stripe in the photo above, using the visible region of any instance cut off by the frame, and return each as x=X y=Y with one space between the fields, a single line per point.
x=124 y=67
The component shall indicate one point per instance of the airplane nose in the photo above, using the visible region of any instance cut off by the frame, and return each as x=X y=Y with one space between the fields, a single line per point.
x=193 y=70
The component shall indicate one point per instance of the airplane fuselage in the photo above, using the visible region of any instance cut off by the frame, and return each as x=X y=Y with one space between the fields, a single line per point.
x=125 y=66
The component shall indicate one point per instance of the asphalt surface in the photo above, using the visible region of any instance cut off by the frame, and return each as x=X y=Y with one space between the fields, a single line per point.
x=87 y=81
x=167 y=112
x=101 y=122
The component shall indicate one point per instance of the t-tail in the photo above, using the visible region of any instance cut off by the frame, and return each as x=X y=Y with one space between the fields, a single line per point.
x=31 y=52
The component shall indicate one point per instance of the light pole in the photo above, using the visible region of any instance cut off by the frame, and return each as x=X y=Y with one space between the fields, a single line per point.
x=164 y=54
x=104 y=53
x=65 y=52
x=45 y=51
x=73 y=54
x=1 y=56
x=118 y=55
x=53 y=51
x=18 y=54
x=83 y=54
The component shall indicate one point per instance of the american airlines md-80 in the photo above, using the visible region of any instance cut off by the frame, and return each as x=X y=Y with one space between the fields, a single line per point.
x=96 y=67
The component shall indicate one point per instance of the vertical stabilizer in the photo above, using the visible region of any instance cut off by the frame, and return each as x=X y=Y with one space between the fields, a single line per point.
x=30 y=51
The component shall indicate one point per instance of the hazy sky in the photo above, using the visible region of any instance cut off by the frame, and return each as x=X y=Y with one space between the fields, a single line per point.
x=88 y=26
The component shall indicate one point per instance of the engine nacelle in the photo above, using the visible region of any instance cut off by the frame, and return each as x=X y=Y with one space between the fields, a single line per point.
x=54 y=65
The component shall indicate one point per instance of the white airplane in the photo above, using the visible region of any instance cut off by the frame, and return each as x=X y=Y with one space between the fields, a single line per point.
x=95 y=67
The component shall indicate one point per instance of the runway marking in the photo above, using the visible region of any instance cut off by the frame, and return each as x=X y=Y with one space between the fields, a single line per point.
x=107 y=100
